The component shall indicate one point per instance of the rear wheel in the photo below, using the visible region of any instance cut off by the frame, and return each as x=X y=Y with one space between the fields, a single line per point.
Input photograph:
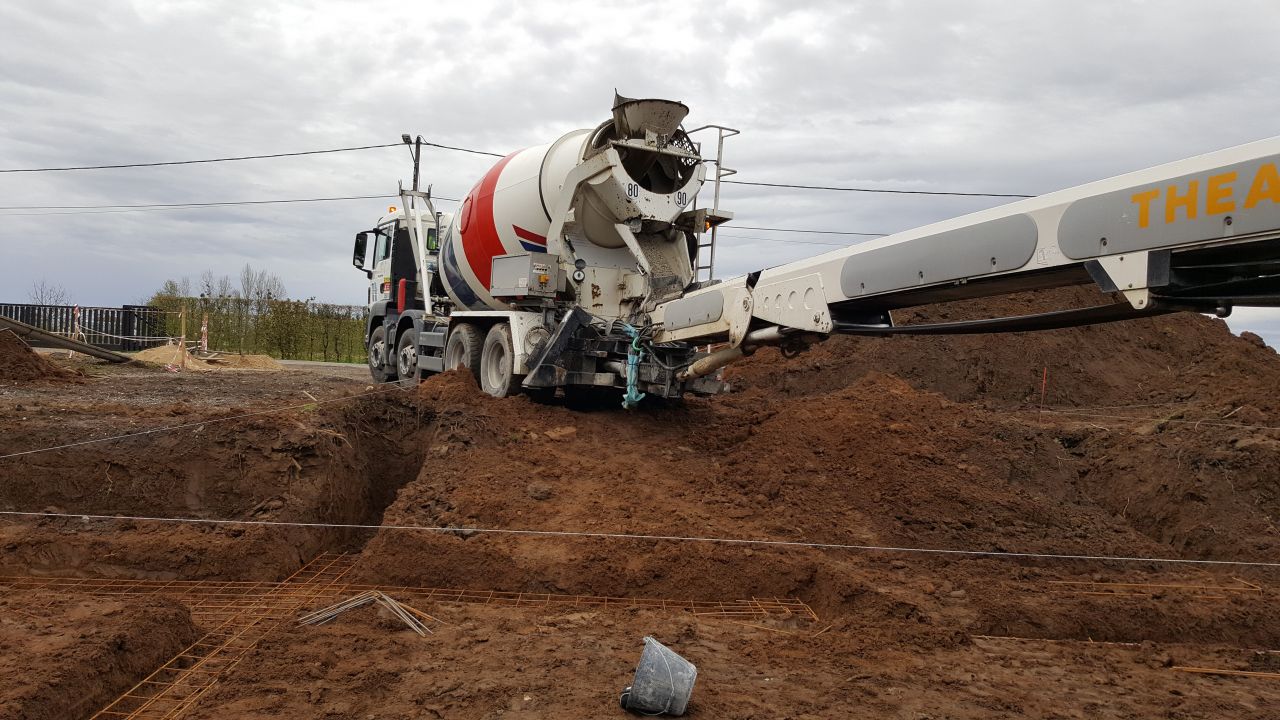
x=462 y=349
x=378 y=356
x=407 y=354
x=497 y=363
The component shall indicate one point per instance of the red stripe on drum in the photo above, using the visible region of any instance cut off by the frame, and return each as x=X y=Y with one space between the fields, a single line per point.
x=480 y=241
x=529 y=235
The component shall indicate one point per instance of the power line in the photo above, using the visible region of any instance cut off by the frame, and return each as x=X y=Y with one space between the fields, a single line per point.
x=190 y=204
x=876 y=190
x=780 y=240
x=465 y=150
x=474 y=151
x=643 y=537
x=101 y=209
x=47 y=210
x=198 y=162
x=816 y=232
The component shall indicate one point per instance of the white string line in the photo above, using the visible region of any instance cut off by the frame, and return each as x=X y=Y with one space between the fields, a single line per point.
x=86 y=329
x=636 y=536
x=210 y=421
x=1119 y=407
x=1217 y=423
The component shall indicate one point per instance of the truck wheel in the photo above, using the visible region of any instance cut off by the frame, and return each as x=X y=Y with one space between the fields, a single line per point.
x=497 y=363
x=407 y=355
x=462 y=349
x=378 y=356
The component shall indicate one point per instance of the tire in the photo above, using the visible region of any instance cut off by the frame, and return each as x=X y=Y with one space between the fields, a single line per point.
x=462 y=349
x=377 y=356
x=497 y=363
x=407 y=355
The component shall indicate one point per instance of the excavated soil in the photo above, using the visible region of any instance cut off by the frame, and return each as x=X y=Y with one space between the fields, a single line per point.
x=66 y=657
x=1156 y=440
x=20 y=364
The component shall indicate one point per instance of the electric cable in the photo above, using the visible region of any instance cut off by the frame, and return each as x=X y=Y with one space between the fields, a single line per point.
x=781 y=240
x=474 y=151
x=199 y=162
x=108 y=209
x=796 y=230
x=465 y=150
x=876 y=190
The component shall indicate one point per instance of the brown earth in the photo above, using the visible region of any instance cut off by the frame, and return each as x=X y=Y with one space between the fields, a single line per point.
x=66 y=657
x=20 y=364
x=1171 y=359
x=1157 y=442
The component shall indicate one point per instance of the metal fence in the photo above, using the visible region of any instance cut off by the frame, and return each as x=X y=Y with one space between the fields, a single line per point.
x=124 y=329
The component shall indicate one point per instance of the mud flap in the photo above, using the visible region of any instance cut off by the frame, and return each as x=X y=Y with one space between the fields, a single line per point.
x=548 y=369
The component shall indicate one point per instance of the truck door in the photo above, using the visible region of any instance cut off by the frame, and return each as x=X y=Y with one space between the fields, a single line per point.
x=381 y=286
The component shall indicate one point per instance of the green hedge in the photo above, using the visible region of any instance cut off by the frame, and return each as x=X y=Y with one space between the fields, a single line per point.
x=286 y=329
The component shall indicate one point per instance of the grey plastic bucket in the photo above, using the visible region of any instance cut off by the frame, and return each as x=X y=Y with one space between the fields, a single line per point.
x=663 y=682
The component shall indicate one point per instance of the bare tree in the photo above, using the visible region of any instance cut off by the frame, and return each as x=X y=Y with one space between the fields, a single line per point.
x=45 y=293
x=248 y=282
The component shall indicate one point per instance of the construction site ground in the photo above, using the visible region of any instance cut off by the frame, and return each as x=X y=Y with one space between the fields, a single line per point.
x=1157 y=440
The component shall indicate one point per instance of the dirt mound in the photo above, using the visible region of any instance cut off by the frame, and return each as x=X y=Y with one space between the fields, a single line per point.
x=67 y=656
x=174 y=356
x=1174 y=358
x=19 y=363
x=876 y=463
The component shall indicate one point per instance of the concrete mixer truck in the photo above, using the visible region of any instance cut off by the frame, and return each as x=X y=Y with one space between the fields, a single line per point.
x=574 y=265
x=544 y=276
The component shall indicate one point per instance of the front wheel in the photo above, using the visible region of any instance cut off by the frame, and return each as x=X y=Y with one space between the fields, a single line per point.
x=407 y=354
x=378 y=356
x=497 y=363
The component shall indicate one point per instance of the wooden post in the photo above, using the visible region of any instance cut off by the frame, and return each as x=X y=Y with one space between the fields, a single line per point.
x=182 y=332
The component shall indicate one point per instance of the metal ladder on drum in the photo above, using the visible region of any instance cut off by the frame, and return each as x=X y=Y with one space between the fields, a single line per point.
x=705 y=259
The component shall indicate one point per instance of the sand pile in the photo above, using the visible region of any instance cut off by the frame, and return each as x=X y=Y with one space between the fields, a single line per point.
x=174 y=356
x=19 y=363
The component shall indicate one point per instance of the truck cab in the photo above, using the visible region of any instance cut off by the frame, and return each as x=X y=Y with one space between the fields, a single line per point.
x=400 y=301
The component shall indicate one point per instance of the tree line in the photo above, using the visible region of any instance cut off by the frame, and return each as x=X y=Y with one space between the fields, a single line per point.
x=256 y=316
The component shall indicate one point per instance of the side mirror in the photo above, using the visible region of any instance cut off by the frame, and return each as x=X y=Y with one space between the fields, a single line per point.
x=362 y=245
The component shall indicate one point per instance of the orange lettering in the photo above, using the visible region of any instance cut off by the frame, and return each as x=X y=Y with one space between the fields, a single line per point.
x=1173 y=201
x=1217 y=195
x=1266 y=186
x=1144 y=206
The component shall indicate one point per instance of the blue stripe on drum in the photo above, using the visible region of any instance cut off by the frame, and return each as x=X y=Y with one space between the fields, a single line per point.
x=453 y=276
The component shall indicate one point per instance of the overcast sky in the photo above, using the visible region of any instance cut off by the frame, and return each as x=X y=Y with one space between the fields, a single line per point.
x=1017 y=97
